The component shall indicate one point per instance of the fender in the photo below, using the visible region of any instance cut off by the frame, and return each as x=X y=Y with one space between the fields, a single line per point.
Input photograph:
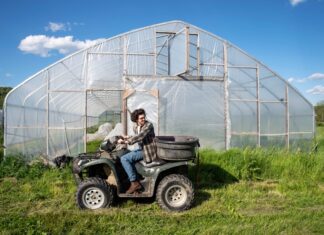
x=152 y=173
x=103 y=161
x=156 y=170
x=169 y=165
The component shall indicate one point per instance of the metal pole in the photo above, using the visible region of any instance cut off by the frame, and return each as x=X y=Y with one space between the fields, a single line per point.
x=198 y=57
x=258 y=104
x=287 y=117
x=47 y=113
x=124 y=83
x=125 y=60
x=187 y=49
x=85 y=104
x=5 y=113
x=169 y=57
x=226 y=104
x=66 y=140
x=155 y=55
x=158 y=112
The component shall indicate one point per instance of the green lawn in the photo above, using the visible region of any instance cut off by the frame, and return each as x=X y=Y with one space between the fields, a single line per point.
x=251 y=191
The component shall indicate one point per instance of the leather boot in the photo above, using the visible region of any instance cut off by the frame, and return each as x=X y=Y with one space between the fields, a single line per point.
x=135 y=185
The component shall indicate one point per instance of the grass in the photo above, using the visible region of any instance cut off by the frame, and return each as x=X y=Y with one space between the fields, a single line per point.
x=93 y=146
x=250 y=191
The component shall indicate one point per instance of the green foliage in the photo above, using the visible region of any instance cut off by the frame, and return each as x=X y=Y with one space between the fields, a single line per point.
x=16 y=166
x=257 y=164
x=319 y=111
x=93 y=146
x=320 y=139
x=1 y=154
x=249 y=191
x=3 y=92
x=92 y=129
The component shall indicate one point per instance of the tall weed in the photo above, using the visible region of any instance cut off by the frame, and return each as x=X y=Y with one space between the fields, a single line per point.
x=257 y=163
x=16 y=166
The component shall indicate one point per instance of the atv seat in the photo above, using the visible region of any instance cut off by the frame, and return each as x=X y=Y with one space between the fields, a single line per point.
x=157 y=162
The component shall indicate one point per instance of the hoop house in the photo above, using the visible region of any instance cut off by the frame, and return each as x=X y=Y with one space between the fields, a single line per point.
x=189 y=81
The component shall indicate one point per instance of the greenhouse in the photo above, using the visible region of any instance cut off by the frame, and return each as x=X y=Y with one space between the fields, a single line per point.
x=189 y=81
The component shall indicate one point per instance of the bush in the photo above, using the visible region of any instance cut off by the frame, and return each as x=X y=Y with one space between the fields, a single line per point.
x=256 y=164
x=16 y=166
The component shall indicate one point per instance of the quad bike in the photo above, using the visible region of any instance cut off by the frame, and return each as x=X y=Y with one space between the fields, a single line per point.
x=101 y=178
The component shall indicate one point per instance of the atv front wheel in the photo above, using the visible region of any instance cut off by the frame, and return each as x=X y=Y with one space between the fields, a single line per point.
x=94 y=193
x=175 y=193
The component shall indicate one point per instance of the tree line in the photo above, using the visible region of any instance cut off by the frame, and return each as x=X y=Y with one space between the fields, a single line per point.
x=319 y=111
x=3 y=92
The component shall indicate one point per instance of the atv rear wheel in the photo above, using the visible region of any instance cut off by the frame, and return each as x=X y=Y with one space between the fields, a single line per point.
x=175 y=193
x=94 y=193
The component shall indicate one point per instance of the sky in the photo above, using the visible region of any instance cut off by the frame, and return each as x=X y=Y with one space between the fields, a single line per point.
x=286 y=35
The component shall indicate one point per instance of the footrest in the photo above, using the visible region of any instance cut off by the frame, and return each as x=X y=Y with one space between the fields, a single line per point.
x=126 y=195
x=158 y=162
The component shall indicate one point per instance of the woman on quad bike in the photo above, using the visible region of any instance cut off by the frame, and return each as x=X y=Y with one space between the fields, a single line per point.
x=144 y=136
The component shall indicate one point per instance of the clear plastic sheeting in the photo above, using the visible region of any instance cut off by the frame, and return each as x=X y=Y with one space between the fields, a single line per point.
x=189 y=81
x=204 y=118
x=147 y=101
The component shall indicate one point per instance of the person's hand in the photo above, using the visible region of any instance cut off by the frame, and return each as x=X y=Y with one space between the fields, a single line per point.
x=125 y=137
x=120 y=141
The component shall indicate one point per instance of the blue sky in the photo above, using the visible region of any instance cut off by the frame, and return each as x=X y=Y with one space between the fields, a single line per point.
x=286 y=35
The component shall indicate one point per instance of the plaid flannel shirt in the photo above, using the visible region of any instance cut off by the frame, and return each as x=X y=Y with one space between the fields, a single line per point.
x=146 y=136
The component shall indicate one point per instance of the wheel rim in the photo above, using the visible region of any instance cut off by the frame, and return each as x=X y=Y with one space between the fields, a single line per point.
x=93 y=198
x=176 y=196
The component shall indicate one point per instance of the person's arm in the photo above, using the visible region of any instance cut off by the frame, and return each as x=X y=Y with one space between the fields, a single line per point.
x=139 y=137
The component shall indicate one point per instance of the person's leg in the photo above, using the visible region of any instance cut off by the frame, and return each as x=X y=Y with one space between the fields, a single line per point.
x=128 y=162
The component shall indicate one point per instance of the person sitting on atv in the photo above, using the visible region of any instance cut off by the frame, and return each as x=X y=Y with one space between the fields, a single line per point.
x=144 y=136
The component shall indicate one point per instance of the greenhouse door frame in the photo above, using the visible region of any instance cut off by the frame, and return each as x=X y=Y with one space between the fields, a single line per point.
x=127 y=93
x=86 y=110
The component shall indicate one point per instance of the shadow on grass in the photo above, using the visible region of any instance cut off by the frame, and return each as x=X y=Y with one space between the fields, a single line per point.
x=200 y=197
x=210 y=176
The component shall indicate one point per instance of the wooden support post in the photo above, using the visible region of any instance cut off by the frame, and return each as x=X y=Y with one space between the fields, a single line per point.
x=126 y=94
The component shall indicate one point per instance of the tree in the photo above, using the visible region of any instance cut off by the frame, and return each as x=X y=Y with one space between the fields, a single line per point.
x=319 y=111
x=3 y=92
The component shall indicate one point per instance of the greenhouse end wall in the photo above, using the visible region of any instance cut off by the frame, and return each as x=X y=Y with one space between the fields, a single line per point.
x=189 y=81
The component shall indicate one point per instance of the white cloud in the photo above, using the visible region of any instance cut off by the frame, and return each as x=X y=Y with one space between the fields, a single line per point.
x=292 y=79
x=316 y=76
x=58 y=26
x=316 y=90
x=8 y=75
x=296 y=2
x=43 y=45
x=54 y=27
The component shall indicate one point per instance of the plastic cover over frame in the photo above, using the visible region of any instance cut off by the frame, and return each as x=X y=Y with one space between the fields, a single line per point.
x=202 y=85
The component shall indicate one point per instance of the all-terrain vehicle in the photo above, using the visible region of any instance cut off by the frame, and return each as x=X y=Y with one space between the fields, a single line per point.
x=101 y=177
